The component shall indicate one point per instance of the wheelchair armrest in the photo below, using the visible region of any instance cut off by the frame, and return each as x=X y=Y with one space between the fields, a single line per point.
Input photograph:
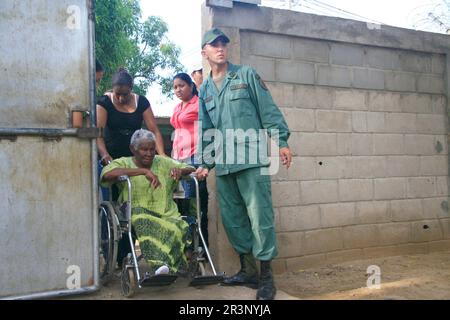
x=122 y=178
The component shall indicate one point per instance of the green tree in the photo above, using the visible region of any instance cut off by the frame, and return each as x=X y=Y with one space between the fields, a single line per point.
x=122 y=40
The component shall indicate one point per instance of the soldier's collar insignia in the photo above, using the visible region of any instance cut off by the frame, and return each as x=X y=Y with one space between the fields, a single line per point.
x=232 y=74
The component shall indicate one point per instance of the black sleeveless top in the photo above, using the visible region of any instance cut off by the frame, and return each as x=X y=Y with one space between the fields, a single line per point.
x=120 y=126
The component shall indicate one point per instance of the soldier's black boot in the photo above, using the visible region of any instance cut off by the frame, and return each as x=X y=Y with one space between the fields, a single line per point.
x=247 y=276
x=266 y=289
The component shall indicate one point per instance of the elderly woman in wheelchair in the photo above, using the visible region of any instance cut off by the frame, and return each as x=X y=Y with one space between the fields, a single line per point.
x=160 y=230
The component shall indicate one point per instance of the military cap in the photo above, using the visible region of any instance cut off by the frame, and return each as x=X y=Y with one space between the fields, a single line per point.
x=212 y=35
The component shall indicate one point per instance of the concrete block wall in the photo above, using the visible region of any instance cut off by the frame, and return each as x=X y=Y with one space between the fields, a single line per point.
x=368 y=114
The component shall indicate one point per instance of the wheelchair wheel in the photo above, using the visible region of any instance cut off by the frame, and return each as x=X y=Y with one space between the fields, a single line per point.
x=107 y=242
x=128 y=279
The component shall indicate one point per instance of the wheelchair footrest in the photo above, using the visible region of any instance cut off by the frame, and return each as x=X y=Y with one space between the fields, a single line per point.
x=159 y=280
x=205 y=280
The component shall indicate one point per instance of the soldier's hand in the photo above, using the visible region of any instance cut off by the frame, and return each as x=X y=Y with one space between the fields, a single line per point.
x=201 y=173
x=286 y=157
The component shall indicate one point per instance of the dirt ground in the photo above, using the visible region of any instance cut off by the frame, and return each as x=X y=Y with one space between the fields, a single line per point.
x=410 y=277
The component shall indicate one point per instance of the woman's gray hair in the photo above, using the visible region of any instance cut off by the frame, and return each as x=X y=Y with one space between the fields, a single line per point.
x=139 y=136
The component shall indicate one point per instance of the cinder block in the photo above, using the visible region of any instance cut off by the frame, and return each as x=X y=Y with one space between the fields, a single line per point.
x=384 y=101
x=416 y=144
x=386 y=59
x=402 y=166
x=322 y=191
x=430 y=83
x=333 y=121
x=269 y=45
x=323 y=241
x=314 y=144
x=396 y=250
x=313 y=97
x=290 y=244
x=388 y=144
x=417 y=103
x=406 y=210
x=344 y=255
x=421 y=187
x=311 y=50
x=301 y=120
x=442 y=245
x=415 y=62
x=434 y=165
x=294 y=72
x=438 y=64
x=368 y=79
x=445 y=224
x=337 y=214
x=434 y=208
x=302 y=168
x=282 y=94
x=441 y=144
x=264 y=66
x=285 y=193
x=373 y=212
x=417 y=248
x=347 y=55
x=442 y=186
x=432 y=123
x=369 y=167
x=361 y=144
x=394 y=233
x=334 y=76
x=385 y=251
x=350 y=100
x=333 y=167
x=359 y=121
x=355 y=189
x=376 y=122
x=344 y=144
x=400 y=81
x=305 y=262
x=401 y=122
x=361 y=236
x=279 y=266
x=426 y=230
x=438 y=104
x=390 y=188
x=299 y=218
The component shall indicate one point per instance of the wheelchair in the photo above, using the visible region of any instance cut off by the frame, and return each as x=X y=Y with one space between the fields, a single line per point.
x=115 y=223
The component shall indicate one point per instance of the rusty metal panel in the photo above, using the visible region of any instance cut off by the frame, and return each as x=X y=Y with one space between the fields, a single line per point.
x=48 y=193
x=46 y=214
x=44 y=65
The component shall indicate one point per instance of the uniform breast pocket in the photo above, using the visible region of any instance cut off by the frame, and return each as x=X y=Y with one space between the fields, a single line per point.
x=212 y=112
x=240 y=103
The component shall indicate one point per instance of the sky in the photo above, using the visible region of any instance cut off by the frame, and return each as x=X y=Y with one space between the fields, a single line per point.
x=184 y=20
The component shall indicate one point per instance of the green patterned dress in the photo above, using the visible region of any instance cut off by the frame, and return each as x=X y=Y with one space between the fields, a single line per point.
x=162 y=234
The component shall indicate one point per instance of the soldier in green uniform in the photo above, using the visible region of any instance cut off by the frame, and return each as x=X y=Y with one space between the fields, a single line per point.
x=236 y=103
